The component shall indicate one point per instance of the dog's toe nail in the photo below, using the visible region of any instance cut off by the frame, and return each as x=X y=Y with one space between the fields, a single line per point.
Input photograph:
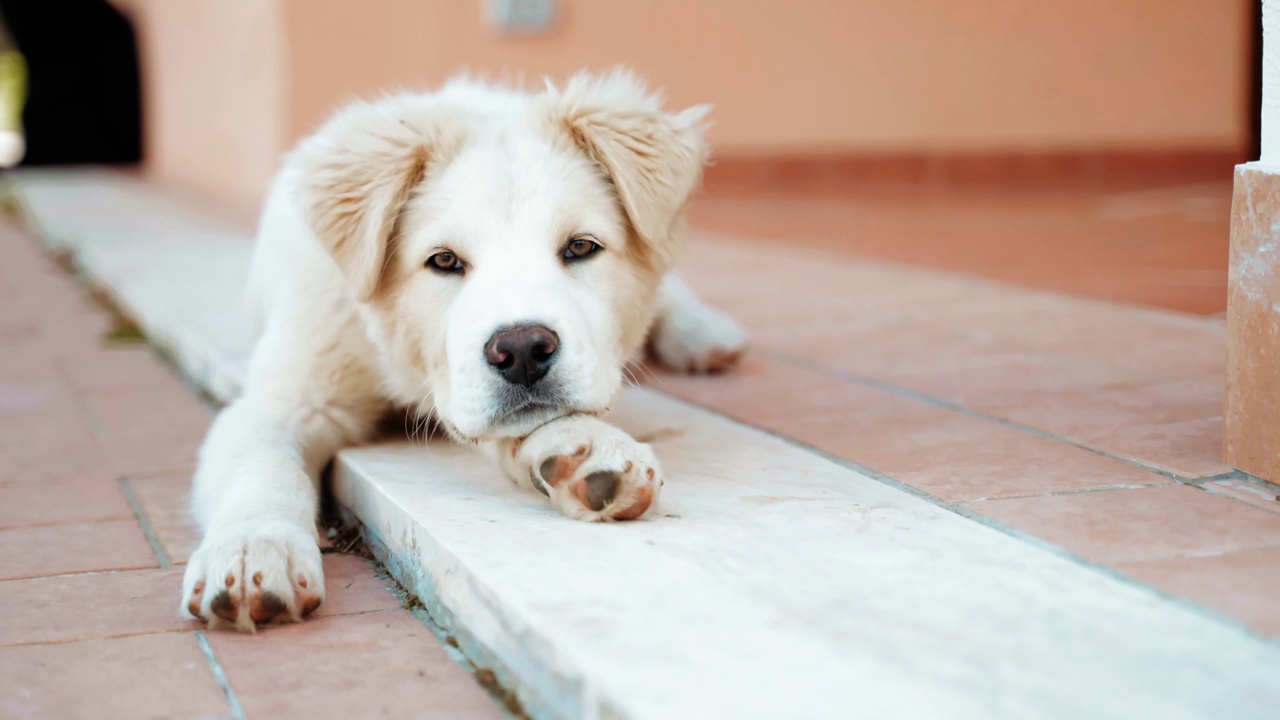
x=539 y=485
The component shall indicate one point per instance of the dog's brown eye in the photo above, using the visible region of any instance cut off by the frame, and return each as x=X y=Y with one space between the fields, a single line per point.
x=579 y=248
x=445 y=262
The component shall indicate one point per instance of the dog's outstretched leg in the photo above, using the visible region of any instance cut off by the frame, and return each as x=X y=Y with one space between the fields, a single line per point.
x=690 y=336
x=256 y=489
x=256 y=499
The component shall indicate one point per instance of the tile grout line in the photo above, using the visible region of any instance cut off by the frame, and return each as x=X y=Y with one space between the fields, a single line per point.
x=1233 y=498
x=74 y=573
x=219 y=676
x=1238 y=476
x=995 y=525
x=1060 y=493
x=140 y=515
x=78 y=394
x=1193 y=555
x=153 y=472
x=114 y=636
x=55 y=523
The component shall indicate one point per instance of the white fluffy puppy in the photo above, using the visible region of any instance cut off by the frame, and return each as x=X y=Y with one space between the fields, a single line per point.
x=495 y=255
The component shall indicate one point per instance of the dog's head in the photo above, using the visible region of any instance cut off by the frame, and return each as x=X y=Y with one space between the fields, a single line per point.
x=505 y=248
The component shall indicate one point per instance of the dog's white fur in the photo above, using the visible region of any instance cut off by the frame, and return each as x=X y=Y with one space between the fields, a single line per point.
x=354 y=325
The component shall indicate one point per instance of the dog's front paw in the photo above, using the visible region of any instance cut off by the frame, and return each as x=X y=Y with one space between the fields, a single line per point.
x=696 y=338
x=252 y=574
x=591 y=470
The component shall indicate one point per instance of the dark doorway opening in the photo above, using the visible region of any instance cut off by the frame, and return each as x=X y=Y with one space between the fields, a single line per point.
x=84 y=102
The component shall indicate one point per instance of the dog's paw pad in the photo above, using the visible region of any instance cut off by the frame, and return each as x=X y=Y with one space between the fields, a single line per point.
x=598 y=489
x=558 y=468
x=224 y=606
x=265 y=607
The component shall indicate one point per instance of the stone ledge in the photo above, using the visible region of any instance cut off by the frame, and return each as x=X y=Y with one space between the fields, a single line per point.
x=771 y=583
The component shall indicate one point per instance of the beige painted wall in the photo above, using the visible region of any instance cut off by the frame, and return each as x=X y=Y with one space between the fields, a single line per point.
x=214 y=92
x=817 y=75
x=231 y=82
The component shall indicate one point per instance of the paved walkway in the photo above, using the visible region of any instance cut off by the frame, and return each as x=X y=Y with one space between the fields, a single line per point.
x=97 y=439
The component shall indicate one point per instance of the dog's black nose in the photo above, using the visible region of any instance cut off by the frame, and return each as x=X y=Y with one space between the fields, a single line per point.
x=522 y=354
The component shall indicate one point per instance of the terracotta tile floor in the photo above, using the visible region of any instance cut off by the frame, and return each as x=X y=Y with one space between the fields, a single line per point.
x=96 y=443
x=1164 y=245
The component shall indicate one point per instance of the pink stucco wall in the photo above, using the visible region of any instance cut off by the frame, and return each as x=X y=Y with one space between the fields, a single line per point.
x=230 y=83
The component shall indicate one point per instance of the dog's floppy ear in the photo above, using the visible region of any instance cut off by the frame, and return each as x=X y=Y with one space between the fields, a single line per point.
x=358 y=171
x=654 y=158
